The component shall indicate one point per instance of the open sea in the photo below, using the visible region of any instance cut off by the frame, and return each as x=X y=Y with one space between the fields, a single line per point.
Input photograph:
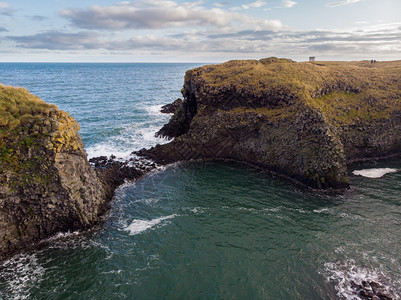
x=199 y=230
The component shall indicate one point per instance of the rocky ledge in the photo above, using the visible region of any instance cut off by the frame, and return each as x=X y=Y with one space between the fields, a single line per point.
x=304 y=121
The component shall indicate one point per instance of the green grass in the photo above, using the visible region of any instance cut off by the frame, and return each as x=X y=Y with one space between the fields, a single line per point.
x=20 y=112
x=345 y=92
x=19 y=108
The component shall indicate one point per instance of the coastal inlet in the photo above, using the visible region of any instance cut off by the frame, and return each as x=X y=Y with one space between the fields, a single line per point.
x=203 y=230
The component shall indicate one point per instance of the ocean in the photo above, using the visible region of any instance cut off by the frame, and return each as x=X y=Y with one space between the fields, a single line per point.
x=199 y=230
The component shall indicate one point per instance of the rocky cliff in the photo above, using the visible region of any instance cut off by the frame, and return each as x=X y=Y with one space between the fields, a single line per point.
x=303 y=121
x=46 y=182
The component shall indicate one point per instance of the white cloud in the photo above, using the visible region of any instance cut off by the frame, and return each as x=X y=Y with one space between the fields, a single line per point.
x=4 y=5
x=56 y=40
x=341 y=3
x=158 y=14
x=358 y=43
x=288 y=3
x=221 y=4
x=255 y=4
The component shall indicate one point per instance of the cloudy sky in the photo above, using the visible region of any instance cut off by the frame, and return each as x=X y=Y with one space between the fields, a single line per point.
x=198 y=31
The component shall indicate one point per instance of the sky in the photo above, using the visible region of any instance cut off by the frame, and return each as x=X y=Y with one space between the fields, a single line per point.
x=198 y=31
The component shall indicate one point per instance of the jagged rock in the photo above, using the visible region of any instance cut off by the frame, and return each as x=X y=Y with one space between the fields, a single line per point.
x=370 y=290
x=171 y=107
x=304 y=121
x=177 y=126
x=112 y=173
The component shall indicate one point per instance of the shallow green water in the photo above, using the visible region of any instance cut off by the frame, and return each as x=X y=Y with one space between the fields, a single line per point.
x=222 y=231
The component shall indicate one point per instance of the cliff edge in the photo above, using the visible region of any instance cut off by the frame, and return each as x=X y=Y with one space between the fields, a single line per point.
x=46 y=182
x=303 y=121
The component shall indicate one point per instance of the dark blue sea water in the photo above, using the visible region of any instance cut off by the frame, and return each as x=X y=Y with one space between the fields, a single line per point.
x=200 y=230
x=117 y=105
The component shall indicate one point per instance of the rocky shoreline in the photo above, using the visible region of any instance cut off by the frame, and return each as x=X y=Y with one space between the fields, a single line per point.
x=303 y=122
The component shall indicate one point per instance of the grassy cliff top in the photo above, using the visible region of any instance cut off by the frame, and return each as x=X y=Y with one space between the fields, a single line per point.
x=18 y=107
x=346 y=92
x=303 y=74
x=32 y=131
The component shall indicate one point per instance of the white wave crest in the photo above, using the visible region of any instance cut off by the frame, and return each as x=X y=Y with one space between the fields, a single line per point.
x=138 y=226
x=273 y=209
x=374 y=173
x=131 y=139
x=322 y=210
x=148 y=135
x=154 y=109
x=106 y=149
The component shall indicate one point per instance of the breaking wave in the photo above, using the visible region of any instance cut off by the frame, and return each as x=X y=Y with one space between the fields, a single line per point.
x=374 y=173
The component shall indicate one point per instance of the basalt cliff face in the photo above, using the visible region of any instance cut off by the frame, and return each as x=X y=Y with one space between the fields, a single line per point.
x=46 y=182
x=303 y=121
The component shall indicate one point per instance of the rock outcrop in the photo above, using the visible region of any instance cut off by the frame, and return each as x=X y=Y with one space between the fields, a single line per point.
x=171 y=107
x=46 y=182
x=303 y=121
x=370 y=290
x=113 y=172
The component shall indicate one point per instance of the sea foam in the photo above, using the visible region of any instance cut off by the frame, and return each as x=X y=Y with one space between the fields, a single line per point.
x=343 y=273
x=154 y=109
x=138 y=226
x=132 y=137
x=374 y=173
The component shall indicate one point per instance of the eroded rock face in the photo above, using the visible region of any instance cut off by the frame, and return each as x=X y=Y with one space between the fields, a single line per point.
x=46 y=182
x=303 y=121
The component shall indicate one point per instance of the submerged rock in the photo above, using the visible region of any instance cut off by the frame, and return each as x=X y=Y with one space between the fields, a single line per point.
x=304 y=121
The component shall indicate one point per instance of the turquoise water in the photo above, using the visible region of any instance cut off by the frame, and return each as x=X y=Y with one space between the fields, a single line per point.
x=200 y=230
